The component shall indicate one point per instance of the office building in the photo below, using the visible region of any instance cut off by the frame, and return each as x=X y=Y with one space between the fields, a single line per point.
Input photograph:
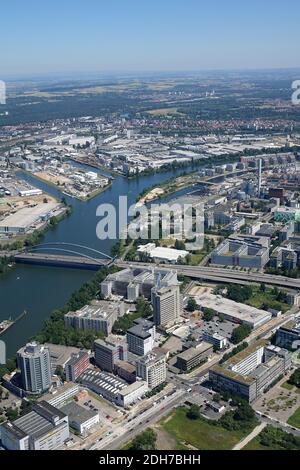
x=100 y=315
x=252 y=371
x=167 y=305
x=152 y=368
x=288 y=335
x=132 y=281
x=125 y=371
x=34 y=363
x=43 y=428
x=109 y=351
x=80 y=418
x=141 y=337
x=218 y=341
x=241 y=252
x=77 y=364
x=194 y=356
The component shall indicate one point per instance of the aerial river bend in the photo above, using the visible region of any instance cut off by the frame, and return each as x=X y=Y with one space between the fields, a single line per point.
x=41 y=289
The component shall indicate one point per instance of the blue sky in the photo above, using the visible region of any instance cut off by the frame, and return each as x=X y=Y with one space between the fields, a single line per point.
x=147 y=35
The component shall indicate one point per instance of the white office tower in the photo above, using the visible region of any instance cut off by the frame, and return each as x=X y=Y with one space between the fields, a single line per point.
x=34 y=363
x=259 y=176
x=167 y=305
x=152 y=368
x=106 y=288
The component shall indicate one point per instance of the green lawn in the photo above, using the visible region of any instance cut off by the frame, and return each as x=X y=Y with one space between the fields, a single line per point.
x=294 y=420
x=259 y=299
x=199 y=433
x=287 y=386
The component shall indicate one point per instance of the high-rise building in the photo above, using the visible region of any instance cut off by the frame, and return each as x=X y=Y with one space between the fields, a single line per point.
x=76 y=365
x=141 y=337
x=34 y=363
x=167 y=305
x=152 y=368
x=108 y=352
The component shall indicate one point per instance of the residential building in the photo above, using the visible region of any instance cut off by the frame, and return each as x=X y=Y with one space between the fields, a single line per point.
x=34 y=363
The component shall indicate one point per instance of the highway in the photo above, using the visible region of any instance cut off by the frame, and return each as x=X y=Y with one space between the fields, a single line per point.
x=221 y=274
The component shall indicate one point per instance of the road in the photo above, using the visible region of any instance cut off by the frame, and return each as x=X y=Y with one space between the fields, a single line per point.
x=251 y=436
x=126 y=431
x=220 y=274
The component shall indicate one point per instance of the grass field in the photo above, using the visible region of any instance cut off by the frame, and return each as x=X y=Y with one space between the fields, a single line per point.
x=199 y=433
x=294 y=420
x=256 y=445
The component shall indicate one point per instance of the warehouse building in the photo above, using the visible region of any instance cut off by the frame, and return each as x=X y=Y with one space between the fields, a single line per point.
x=234 y=311
x=80 y=418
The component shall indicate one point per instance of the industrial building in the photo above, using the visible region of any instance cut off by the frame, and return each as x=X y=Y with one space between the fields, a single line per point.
x=141 y=337
x=43 y=428
x=100 y=315
x=113 y=388
x=234 y=311
x=252 y=371
x=23 y=220
x=34 y=363
x=161 y=254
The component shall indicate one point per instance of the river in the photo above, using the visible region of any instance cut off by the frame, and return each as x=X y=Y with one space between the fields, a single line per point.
x=39 y=289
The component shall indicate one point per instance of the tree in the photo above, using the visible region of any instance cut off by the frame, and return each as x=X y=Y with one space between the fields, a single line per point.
x=295 y=378
x=192 y=305
x=208 y=314
x=179 y=245
x=239 y=293
x=193 y=412
x=144 y=441
x=240 y=333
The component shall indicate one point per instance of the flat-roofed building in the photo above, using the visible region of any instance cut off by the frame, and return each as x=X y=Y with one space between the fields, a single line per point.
x=234 y=311
x=109 y=351
x=141 y=337
x=77 y=364
x=125 y=371
x=43 y=428
x=100 y=315
x=194 y=356
x=113 y=388
x=288 y=335
x=80 y=418
x=167 y=305
x=34 y=363
x=145 y=278
x=152 y=368
x=252 y=371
